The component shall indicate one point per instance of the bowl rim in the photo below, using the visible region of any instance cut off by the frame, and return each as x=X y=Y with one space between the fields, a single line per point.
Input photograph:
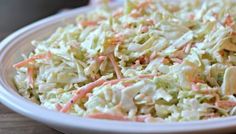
x=38 y=113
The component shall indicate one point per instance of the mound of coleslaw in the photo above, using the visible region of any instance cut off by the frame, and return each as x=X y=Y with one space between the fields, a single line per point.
x=148 y=61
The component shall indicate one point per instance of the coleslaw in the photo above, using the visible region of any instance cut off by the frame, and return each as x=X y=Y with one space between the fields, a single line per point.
x=148 y=61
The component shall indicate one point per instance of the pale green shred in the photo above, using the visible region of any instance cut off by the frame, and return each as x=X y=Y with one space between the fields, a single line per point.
x=188 y=50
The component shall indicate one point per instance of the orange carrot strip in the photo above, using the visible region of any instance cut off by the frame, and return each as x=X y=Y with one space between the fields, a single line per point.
x=147 y=76
x=31 y=59
x=30 y=75
x=188 y=48
x=101 y=58
x=140 y=118
x=144 y=29
x=153 y=55
x=144 y=4
x=108 y=116
x=135 y=14
x=58 y=107
x=112 y=82
x=115 y=65
x=88 y=23
x=149 y=22
x=81 y=93
x=225 y=104
x=127 y=84
x=177 y=60
x=229 y=21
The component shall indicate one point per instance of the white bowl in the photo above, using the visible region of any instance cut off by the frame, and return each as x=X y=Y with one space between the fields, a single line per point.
x=19 y=42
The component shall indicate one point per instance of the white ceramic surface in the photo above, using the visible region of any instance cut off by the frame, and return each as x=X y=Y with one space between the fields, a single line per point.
x=19 y=42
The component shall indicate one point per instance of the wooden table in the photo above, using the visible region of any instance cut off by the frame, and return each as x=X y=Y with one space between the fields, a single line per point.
x=13 y=123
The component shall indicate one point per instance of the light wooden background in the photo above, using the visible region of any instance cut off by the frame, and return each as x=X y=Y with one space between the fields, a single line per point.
x=13 y=123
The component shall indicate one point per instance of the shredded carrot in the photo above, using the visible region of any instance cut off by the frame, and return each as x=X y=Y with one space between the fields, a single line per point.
x=147 y=76
x=187 y=48
x=100 y=59
x=108 y=116
x=127 y=25
x=89 y=95
x=140 y=118
x=115 y=65
x=81 y=93
x=88 y=23
x=32 y=59
x=229 y=21
x=144 y=4
x=225 y=104
x=135 y=14
x=127 y=84
x=153 y=55
x=177 y=60
x=149 y=22
x=180 y=54
x=58 y=107
x=144 y=29
x=112 y=82
x=30 y=75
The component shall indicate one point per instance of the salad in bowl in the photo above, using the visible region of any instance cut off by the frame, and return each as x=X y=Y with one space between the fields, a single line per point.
x=148 y=61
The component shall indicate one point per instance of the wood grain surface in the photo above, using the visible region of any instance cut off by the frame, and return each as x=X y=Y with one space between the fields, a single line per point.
x=13 y=123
